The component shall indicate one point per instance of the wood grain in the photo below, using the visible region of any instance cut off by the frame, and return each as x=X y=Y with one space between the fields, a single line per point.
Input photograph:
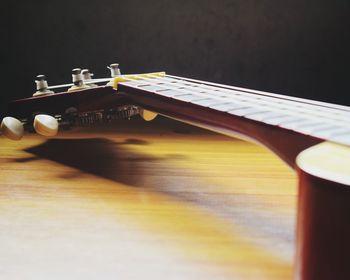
x=144 y=201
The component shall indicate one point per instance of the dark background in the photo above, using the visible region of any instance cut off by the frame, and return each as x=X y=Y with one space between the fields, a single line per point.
x=298 y=48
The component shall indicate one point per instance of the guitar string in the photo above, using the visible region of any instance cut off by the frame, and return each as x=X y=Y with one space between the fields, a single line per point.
x=279 y=101
x=315 y=109
x=298 y=99
x=276 y=113
x=186 y=93
x=261 y=102
x=92 y=81
x=333 y=132
x=238 y=89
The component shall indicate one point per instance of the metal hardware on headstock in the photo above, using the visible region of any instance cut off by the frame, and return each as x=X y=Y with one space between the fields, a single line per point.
x=41 y=86
x=12 y=128
x=78 y=80
x=32 y=114
x=87 y=77
x=115 y=72
x=49 y=126
x=73 y=119
x=45 y=125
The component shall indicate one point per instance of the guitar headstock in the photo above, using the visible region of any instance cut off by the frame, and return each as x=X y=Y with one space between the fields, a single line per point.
x=85 y=101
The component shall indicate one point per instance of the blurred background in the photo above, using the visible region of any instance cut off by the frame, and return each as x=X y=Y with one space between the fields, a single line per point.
x=298 y=48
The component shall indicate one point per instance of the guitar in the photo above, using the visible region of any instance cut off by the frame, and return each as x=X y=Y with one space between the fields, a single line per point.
x=311 y=137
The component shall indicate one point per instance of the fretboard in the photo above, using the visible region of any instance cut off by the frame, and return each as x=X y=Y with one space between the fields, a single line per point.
x=318 y=119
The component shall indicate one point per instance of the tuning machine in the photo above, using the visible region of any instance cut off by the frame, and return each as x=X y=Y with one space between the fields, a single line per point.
x=78 y=80
x=45 y=125
x=87 y=77
x=115 y=72
x=12 y=128
x=42 y=86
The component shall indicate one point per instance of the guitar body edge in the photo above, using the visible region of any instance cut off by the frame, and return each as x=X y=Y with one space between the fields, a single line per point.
x=323 y=226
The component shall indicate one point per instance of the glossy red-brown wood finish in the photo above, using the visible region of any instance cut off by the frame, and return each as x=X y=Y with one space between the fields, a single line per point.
x=98 y=98
x=323 y=229
x=285 y=143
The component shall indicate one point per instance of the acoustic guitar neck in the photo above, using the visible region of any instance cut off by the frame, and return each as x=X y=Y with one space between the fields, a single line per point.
x=317 y=119
x=270 y=119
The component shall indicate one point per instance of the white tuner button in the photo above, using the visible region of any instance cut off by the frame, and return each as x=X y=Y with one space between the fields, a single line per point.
x=12 y=128
x=148 y=115
x=45 y=125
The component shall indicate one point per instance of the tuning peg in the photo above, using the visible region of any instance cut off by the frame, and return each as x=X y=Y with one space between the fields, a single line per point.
x=78 y=81
x=147 y=115
x=115 y=71
x=12 y=128
x=41 y=86
x=45 y=125
x=87 y=77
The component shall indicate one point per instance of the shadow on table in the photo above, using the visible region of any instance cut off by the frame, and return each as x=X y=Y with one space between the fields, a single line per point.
x=118 y=162
x=101 y=157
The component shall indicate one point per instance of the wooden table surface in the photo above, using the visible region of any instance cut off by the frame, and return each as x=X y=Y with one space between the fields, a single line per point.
x=137 y=200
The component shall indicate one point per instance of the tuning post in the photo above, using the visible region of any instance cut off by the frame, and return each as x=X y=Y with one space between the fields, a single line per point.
x=78 y=80
x=115 y=72
x=87 y=77
x=41 y=86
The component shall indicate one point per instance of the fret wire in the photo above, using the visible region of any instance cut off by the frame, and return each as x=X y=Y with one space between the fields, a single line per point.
x=215 y=99
x=281 y=120
x=310 y=107
x=310 y=126
x=314 y=128
x=297 y=99
x=278 y=112
x=329 y=133
x=187 y=91
x=293 y=124
x=314 y=110
x=189 y=98
x=243 y=112
x=228 y=107
x=264 y=116
x=274 y=106
x=305 y=107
